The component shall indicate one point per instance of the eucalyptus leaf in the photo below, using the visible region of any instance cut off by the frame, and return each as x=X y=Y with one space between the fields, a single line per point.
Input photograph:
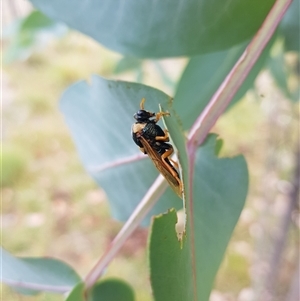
x=29 y=275
x=100 y=116
x=280 y=71
x=290 y=27
x=77 y=293
x=108 y=289
x=161 y=28
x=112 y=289
x=186 y=270
x=127 y=64
x=170 y=261
x=276 y=66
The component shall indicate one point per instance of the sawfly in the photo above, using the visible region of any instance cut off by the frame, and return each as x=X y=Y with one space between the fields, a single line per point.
x=153 y=141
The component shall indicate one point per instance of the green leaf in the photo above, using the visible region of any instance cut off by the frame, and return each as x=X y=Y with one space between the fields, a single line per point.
x=290 y=27
x=219 y=191
x=100 y=116
x=37 y=21
x=178 y=139
x=170 y=265
x=202 y=77
x=108 y=289
x=162 y=28
x=276 y=65
x=280 y=72
x=112 y=289
x=29 y=275
x=126 y=64
x=30 y=33
x=77 y=293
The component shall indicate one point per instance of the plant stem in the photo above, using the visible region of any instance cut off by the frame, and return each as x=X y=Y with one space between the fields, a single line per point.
x=146 y=204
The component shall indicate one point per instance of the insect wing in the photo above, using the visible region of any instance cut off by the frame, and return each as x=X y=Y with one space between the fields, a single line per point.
x=160 y=165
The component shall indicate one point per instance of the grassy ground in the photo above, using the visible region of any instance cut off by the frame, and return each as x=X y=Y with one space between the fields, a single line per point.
x=51 y=207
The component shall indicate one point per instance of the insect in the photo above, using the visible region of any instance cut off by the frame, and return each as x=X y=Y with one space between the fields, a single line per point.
x=153 y=141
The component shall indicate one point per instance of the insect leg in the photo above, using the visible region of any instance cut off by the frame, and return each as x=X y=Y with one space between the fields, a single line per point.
x=164 y=138
x=165 y=156
x=160 y=114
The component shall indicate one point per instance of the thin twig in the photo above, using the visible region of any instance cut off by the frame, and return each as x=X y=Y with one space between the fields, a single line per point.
x=146 y=204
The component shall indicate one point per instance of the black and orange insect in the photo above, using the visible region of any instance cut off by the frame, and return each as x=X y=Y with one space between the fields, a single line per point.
x=153 y=141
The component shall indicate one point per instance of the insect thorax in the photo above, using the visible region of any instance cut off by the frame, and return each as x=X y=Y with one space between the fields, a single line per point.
x=150 y=130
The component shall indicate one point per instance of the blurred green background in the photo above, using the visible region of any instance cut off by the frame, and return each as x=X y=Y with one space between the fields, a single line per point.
x=51 y=207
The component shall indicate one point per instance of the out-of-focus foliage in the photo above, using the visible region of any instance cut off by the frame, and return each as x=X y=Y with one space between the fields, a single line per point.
x=285 y=74
x=34 y=272
x=30 y=33
x=290 y=27
x=13 y=165
x=164 y=28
